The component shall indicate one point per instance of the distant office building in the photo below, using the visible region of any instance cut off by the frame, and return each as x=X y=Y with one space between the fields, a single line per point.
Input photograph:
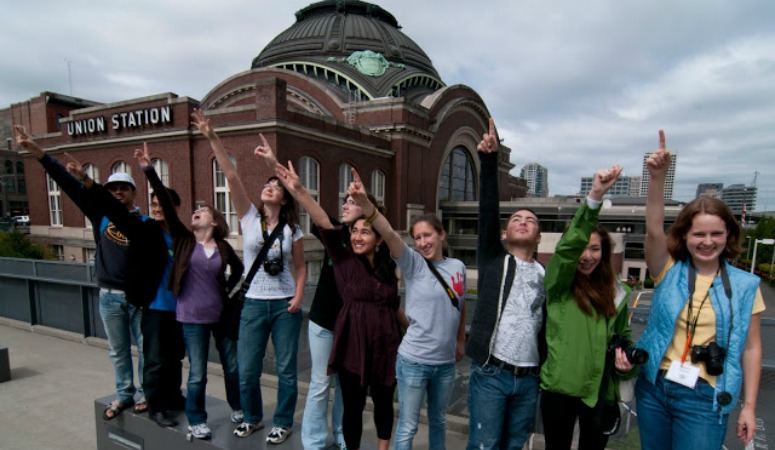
x=710 y=190
x=622 y=187
x=737 y=195
x=537 y=177
x=669 y=180
x=635 y=183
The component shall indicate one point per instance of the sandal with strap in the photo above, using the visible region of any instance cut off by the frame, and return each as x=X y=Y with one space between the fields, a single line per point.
x=140 y=407
x=115 y=408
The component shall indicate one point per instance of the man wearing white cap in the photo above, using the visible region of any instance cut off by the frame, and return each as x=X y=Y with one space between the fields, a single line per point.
x=128 y=276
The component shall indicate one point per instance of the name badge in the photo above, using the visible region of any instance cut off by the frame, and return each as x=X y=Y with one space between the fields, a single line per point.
x=684 y=374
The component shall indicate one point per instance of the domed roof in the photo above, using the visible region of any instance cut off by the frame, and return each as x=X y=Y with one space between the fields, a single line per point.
x=355 y=45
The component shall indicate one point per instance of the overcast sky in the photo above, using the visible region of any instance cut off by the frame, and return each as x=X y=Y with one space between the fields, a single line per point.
x=573 y=85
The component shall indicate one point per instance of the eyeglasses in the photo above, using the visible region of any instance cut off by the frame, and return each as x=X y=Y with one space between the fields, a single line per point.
x=351 y=202
x=273 y=187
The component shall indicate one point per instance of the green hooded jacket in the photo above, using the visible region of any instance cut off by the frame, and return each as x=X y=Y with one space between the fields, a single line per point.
x=577 y=342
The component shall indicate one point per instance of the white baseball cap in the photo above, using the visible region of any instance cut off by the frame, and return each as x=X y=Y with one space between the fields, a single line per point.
x=120 y=177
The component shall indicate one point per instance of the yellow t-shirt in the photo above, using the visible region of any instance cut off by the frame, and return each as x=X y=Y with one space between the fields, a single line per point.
x=705 y=333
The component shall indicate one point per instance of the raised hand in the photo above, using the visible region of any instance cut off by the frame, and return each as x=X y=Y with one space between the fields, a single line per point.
x=74 y=167
x=659 y=161
x=603 y=180
x=265 y=152
x=143 y=157
x=357 y=191
x=202 y=123
x=24 y=141
x=489 y=142
x=289 y=178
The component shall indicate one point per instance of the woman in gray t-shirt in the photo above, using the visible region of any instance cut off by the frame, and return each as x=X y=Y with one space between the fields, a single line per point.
x=435 y=313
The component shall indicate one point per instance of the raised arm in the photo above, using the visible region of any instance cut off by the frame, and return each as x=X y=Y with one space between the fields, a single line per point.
x=238 y=194
x=489 y=244
x=174 y=224
x=561 y=269
x=656 y=241
x=293 y=184
x=377 y=220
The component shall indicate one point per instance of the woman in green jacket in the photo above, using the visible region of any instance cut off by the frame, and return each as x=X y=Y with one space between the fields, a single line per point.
x=586 y=308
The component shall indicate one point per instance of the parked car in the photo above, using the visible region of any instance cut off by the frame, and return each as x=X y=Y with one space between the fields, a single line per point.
x=21 y=220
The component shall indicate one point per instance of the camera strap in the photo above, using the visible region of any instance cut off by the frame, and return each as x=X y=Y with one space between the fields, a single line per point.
x=450 y=292
x=263 y=252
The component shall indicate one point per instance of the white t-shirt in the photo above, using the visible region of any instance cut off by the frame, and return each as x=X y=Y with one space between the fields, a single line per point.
x=516 y=340
x=265 y=286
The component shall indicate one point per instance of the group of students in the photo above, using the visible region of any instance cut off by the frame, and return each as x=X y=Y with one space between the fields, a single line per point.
x=560 y=330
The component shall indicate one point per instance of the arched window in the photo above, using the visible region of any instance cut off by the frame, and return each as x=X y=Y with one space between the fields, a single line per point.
x=378 y=185
x=223 y=196
x=457 y=181
x=121 y=167
x=94 y=173
x=345 y=178
x=54 y=202
x=309 y=174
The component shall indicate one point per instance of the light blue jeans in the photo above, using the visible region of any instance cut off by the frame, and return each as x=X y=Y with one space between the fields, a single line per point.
x=259 y=320
x=416 y=382
x=196 y=336
x=314 y=425
x=121 y=321
x=671 y=415
x=502 y=408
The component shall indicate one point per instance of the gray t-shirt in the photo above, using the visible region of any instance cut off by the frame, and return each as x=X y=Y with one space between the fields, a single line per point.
x=516 y=339
x=433 y=321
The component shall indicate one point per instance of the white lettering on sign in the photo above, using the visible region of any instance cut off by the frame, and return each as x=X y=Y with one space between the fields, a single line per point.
x=119 y=121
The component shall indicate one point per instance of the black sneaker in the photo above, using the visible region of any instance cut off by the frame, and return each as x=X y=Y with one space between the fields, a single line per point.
x=164 y=419
x=278 y=435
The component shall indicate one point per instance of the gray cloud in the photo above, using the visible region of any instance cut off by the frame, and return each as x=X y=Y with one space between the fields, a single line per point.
x=572 y=85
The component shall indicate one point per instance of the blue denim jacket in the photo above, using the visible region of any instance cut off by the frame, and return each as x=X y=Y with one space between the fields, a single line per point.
x=669 y=299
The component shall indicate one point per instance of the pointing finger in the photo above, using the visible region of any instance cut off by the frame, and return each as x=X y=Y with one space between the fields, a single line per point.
x=661 y=139
x=356 y=177
x=264 y=142
x=492 y=127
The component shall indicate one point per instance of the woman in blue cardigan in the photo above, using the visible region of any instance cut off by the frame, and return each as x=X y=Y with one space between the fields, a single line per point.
x=703 y=333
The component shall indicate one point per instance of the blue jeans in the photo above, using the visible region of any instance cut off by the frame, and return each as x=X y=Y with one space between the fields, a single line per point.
x=502 y=408
x=314 y=425
x=673 y=416
x=415 y=382
x=259 y=320
x=122 y=322
x=196 y=337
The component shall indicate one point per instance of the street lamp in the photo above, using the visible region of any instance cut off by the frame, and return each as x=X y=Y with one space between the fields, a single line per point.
x=755 y=247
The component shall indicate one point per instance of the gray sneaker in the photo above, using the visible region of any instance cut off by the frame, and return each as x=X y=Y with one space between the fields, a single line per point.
x=246 y=429
x=200 y=431
x=237 y=416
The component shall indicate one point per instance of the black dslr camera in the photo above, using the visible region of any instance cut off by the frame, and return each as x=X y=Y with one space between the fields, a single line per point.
x=712 y=355
x=634 y=355
x=273 y=267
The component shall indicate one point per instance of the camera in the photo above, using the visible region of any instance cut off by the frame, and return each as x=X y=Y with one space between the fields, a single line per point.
x=634 y=355
x=273 y=267
x=712 y=355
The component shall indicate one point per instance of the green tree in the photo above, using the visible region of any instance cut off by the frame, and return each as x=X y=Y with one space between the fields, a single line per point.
x=14 y=244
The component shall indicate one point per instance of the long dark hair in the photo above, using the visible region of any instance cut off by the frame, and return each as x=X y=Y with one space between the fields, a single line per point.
x=289 y=212
x=676 y=235
x=596 y=292
x=384 y=266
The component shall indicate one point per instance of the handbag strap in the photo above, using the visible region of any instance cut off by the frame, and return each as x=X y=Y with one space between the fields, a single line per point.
x=262 y=254
x=450 y=292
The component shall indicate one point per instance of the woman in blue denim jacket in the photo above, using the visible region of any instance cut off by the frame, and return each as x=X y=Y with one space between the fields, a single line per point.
x=703 y=334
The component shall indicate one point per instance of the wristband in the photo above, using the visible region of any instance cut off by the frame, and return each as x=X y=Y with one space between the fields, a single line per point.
x=372 y=217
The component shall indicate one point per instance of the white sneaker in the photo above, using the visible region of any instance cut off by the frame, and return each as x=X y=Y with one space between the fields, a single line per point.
x=237 y=416
x=278 y=435
x=246 y=429
x=200 y=431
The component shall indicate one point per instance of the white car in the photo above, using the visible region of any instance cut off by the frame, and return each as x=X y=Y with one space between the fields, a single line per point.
x=21 y=220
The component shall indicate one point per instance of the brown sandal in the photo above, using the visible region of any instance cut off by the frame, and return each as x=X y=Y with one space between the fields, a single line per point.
x=115 y=408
